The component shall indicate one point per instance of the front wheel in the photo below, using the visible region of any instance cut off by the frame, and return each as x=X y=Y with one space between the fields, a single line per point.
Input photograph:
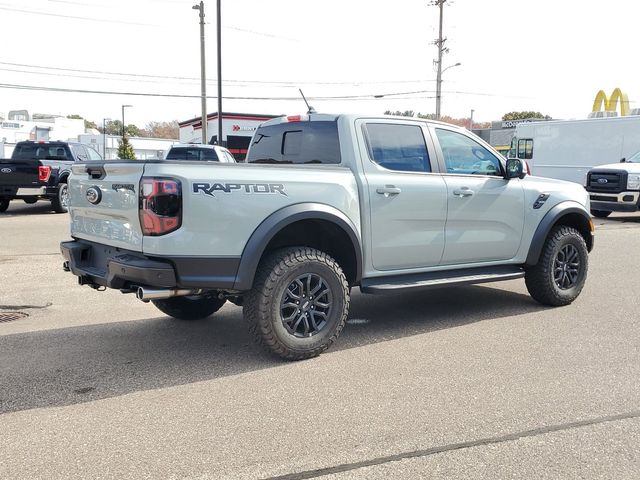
x=191 y=307
x=559 y=276
x=299 y=303
x=4 y=204
x=600 y=213
x=60 y=203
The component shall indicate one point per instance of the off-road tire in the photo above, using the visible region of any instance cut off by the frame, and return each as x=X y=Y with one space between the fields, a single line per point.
x=262 y=304
x=600 y=213
x=540 y=278
x=4 y=204
x=192 y=307
x=58 y=202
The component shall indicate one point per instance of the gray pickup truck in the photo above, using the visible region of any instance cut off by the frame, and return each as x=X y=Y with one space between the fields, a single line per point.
x=325 y=203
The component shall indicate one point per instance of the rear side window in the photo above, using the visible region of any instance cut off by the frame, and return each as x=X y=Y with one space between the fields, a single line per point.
x=398 y=147
x=26 y=151
x=191 y=153
x=296 y=143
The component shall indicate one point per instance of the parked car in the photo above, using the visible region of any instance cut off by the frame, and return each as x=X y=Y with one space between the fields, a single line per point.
x=39 y=171
x=325 y=203
x=199 y=152
x=615 y=187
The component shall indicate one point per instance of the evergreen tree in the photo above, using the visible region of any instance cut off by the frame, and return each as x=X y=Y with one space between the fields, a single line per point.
x=125 y=150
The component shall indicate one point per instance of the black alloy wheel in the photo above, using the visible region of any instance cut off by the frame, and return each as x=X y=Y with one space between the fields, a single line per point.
x=306 y=305
x=566 y=267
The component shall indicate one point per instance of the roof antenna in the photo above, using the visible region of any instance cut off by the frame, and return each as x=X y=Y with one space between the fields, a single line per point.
x=310 y=108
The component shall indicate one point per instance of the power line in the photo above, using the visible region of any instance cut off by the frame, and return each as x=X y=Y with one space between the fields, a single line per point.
x=173 y=95
x=257 y=82
x=393 y=95
x=77 y=17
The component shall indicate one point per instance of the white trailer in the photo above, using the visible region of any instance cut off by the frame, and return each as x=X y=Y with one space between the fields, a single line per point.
x=568 y=149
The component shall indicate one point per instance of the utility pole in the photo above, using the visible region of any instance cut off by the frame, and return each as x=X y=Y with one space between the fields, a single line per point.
x=203 y=75
x=471 y=120
x=219 y=75
x=441 y=50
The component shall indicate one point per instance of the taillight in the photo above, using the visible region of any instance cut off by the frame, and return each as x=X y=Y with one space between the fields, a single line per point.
x=160 y=205
x=44 y=172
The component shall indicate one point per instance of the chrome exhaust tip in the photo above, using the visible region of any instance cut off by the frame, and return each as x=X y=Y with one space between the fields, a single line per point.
x=148 y=294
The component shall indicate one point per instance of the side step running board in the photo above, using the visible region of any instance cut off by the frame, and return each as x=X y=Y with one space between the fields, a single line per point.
x=446 y=278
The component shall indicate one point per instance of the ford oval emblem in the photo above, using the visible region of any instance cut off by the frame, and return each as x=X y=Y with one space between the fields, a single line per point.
x=6 y=170
x=603 y=180
x=94 y=195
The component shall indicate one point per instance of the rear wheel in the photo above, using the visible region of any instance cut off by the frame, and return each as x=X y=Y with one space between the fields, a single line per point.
x=191 y=307
x=60 y=202
x=4 y=204
x=299 y=303
x=600 y=213
x=561 y=271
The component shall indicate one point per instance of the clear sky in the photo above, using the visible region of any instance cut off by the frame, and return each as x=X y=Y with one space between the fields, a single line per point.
x=546 y=55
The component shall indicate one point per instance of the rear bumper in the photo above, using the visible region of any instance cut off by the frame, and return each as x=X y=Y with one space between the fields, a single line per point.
x=106 y=266
x=115 y=268
x=621 y=202
x=22 y=192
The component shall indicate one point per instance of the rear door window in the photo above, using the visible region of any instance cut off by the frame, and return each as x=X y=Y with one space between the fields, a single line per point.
x=314 y=142
x=93 y=155
x=80 y=153
x=398 y=147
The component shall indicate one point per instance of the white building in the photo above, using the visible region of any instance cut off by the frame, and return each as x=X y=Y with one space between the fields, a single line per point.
x=144 y=148
x=16 y=130
x=237 y=130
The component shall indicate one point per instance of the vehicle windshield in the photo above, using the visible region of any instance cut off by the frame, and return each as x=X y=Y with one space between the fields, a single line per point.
x=635 y=158
x=192 y=153
x=27 y=151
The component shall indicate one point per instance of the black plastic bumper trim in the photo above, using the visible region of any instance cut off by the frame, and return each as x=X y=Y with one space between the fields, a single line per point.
x=118 y=268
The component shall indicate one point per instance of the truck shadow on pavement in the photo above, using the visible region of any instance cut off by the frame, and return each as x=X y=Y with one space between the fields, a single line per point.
x=19 y=208
x=81 y=364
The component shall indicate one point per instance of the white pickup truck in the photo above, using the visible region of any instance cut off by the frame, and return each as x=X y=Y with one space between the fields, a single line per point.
x=325 y=203
x=615 y=187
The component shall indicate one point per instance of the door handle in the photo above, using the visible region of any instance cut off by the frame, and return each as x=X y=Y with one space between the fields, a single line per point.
x=463 y=192
x=388 y=190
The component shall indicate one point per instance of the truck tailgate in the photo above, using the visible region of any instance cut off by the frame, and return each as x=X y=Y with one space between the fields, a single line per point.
x=23 y=173
x=104 y=203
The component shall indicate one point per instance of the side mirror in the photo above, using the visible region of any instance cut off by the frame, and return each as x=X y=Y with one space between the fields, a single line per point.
x=623 y=160
x=515 y=168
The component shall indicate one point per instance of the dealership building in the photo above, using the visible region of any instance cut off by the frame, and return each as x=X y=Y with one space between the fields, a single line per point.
x=237 y=130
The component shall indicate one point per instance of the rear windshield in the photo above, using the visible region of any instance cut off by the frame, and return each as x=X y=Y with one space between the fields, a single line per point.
x=298 y=143
x=192 y=153
x=48 y=151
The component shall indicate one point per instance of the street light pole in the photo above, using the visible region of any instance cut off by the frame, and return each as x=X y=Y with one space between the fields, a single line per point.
x=104 y=137
x=203 y=75
x=219 y=74
x=123 y=129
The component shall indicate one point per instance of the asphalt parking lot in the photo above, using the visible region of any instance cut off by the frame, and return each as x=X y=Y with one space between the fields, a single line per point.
x=471 y=382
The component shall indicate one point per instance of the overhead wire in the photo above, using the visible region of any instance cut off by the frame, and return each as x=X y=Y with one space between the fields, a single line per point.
x=174 y=77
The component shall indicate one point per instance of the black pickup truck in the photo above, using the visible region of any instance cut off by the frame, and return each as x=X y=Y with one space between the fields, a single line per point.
x=39 y=171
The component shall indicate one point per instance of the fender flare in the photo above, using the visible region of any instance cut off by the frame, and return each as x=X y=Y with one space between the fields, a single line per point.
x=280 y=219
x=547 y=223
